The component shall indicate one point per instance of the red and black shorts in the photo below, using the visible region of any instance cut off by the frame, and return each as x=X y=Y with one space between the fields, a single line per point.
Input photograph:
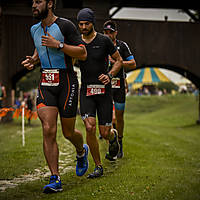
x=59 y=88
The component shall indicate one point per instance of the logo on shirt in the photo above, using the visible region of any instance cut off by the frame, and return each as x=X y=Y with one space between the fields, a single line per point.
x=72 y=95
x=96 y=47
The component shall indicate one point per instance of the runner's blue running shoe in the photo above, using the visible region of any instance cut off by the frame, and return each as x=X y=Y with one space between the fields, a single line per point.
x=54 y=185
x=82 y=162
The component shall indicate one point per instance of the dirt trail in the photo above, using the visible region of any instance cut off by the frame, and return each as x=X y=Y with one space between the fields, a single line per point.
x=66 y=159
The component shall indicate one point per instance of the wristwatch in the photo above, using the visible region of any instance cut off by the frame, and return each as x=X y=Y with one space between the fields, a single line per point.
x=61 y=45
x=110 y=76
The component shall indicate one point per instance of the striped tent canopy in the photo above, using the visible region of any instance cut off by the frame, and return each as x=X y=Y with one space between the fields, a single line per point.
x=146 y=76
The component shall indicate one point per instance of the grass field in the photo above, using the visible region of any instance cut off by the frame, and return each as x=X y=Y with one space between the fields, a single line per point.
x=161 y=162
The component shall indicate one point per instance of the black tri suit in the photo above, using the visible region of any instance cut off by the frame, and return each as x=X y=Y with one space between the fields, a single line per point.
x=94 y=96
x=118 y=82
x=58 y=84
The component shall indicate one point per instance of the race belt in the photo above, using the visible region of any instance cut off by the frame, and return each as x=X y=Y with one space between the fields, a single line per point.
x=50 y=77
x=95 y=89
x=115 y=83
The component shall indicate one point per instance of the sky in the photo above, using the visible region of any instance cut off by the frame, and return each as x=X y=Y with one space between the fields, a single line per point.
x=156 y=15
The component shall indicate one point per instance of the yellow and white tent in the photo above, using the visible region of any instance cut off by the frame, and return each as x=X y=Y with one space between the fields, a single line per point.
x=146 y=76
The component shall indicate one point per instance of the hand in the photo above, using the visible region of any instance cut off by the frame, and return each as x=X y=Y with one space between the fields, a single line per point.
x=28 y=63
x=104 y=79
x=50 y=41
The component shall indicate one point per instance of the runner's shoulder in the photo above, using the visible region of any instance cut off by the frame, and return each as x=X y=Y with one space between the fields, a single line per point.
x=122 y=43
x=63 y=22
x=104 y=38
x=35 y=27
x=123 y=47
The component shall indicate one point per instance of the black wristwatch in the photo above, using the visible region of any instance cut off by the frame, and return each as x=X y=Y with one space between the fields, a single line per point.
x=61 y=45
x=110 y=76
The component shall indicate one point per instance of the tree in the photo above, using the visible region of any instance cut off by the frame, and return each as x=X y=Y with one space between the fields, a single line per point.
x=29 y=81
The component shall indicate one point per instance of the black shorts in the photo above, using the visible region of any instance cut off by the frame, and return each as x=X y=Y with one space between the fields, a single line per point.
x=119 y=96
x=100 y=104
x=64 y=96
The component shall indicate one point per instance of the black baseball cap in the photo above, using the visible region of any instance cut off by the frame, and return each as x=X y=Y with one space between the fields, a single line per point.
x=110 y=25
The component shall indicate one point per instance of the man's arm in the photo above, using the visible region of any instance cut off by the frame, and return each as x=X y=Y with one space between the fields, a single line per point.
x=130 y=64
x=105 y=78
x=127 y=64
x=78 y=52
x=117 y=65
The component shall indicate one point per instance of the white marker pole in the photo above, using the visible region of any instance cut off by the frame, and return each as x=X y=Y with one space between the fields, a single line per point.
x=23 y=133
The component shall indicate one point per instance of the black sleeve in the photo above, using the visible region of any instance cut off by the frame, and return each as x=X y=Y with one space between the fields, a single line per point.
x=111 y=47
x=126 y=51
x=70 y=32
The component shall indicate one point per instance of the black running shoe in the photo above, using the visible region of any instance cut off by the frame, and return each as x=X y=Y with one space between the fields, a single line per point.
x=114 y=145
x=120 y=153
x=109 y=157
x=98 y=172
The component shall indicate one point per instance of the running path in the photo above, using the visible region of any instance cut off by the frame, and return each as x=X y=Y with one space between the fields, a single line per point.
x=66 y=159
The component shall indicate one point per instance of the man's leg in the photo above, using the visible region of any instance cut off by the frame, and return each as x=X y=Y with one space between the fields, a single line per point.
x=76 y=138
x=72 y=134
x=114 y=118
x=48 y=116
x=105 y=113
x=88 y=113
x=90 y=125
x=120 y=129
x=106 y=132
x=120 y=123
x=110 y=135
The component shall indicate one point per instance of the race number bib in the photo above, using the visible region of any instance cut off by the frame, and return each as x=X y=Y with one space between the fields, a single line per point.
x=115 y=83
x=50 y=77
x=95 y=89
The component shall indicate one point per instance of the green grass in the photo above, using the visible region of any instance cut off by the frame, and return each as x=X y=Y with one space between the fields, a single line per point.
x=161 y=159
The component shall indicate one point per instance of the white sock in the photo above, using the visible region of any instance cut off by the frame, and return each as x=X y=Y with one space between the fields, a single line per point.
x=80 y=156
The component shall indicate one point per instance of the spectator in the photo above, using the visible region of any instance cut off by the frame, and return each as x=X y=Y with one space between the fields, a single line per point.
x=17 y=103
x=2 y=94
x=29 y=103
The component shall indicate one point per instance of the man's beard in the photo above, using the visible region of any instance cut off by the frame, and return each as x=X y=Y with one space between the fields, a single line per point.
x=42 y=15
x=89 y=32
